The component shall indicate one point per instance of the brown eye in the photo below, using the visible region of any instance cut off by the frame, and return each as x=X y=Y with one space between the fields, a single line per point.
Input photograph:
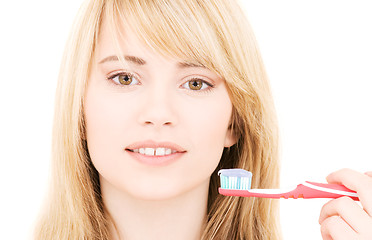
x=125 y=79
x=195 y=84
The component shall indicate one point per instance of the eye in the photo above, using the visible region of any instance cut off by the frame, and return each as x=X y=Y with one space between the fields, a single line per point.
x=196 y=84
x=123 y=79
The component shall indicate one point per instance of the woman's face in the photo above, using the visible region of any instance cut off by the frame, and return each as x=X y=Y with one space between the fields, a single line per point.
x=156 y=129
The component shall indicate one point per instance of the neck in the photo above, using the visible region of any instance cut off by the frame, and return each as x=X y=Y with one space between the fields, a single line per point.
x=181 y=217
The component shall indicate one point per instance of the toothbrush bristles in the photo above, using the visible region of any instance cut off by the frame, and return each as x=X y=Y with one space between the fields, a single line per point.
x=238 y=179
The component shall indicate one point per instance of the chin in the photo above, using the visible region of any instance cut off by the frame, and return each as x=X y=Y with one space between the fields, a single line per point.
x=157 y=191
x=154 y=192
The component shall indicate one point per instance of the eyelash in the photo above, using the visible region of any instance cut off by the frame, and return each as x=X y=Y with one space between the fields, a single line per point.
x=117 y=74
x=110 y=78
x=206 y=90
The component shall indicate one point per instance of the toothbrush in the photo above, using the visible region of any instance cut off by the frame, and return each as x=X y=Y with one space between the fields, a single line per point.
x=237 y=182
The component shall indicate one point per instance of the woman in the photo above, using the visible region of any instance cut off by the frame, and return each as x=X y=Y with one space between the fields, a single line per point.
x=153 y=98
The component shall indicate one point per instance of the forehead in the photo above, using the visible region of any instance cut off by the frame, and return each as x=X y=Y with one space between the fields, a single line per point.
x=126 y=42
x=121 y=31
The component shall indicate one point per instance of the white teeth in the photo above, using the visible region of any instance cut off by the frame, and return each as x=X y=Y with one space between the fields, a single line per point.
x=149 y=151
x=154 y=151
x=160 y=151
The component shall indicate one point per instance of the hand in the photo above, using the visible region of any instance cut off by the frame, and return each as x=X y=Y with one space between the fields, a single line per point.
x=343 y=218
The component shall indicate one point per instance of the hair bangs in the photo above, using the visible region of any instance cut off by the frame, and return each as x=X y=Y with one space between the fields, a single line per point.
x=178 y=29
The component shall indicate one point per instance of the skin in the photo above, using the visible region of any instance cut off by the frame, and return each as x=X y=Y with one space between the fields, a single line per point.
x=343 y=218
x=161 y=201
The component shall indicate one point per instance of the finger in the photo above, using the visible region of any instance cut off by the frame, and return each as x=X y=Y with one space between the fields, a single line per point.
x=361 y=183
x=336 y=228
x=349 y=210
x=369 y=174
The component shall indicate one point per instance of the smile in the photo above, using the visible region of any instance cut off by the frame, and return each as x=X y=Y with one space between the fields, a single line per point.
x=154 y=151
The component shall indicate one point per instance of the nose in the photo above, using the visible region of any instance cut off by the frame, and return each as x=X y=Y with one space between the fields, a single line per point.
x=158 y=109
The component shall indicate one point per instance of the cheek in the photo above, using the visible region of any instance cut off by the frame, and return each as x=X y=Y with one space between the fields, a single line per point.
x=101 y=119
x=206 y=126
x=105 y=127
x=209 y=122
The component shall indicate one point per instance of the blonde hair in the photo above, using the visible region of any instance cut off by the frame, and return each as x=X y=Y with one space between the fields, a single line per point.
x=221 y=40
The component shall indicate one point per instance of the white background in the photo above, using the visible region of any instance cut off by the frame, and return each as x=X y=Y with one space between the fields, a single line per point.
x=318 y=55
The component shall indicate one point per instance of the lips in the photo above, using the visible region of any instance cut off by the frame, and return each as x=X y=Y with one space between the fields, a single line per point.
x=155 y=153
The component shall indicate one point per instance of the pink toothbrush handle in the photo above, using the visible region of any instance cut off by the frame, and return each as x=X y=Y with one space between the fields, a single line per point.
x=306 y=190
x=324 y=190
x=247 y=193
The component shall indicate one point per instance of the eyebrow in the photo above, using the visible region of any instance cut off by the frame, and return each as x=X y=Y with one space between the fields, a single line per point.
x=133 y=59
x=141 y=62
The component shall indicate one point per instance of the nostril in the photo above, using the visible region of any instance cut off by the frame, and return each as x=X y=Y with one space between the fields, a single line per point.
x=152 y=123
